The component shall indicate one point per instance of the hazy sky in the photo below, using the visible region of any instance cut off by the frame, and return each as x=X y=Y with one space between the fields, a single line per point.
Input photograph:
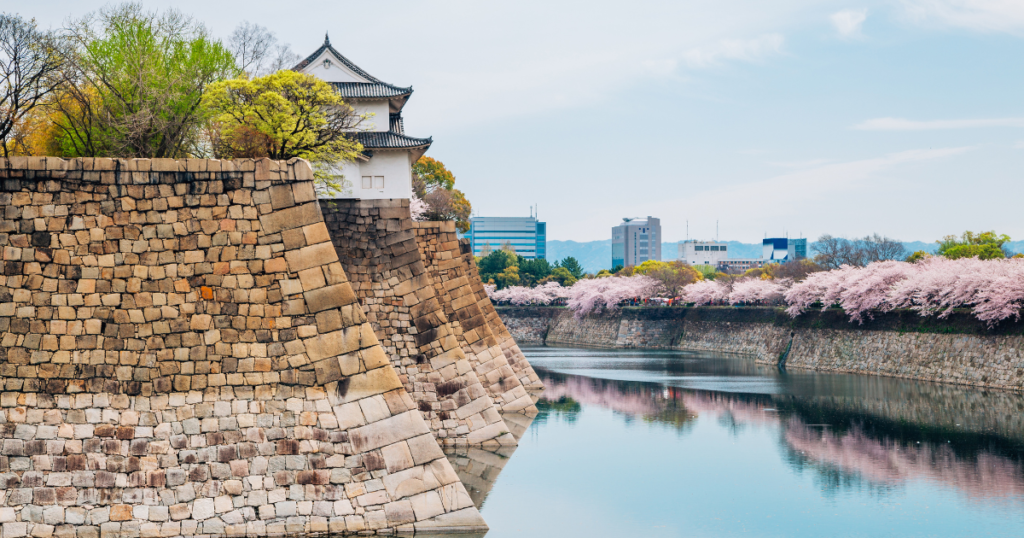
x=799 y=116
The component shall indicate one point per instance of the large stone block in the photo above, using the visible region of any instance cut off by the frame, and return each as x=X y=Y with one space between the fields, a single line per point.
x=184 y=354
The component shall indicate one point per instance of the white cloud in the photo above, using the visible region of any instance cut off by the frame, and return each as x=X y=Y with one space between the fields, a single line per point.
x=849 y=21
x=826 y=180
x=900 y=124
x=840 y=197
x=978 y=15
x=733 y=49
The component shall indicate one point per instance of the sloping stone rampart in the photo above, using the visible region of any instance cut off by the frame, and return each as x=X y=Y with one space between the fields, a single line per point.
x=181 y=353
x=527 y=377
x=376 y=244
x=442 y=255
x=955 y=351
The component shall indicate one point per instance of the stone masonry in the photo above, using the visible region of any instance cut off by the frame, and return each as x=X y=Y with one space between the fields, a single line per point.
x=376 y=244
x=527 y=377
x=980 y=360
x=181 y=353
x=442 y=255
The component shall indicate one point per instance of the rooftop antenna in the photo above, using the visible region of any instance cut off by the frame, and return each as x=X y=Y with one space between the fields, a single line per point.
x=716 y=230
x=687 y=230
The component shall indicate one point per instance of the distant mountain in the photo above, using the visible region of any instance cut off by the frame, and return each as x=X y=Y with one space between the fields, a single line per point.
x=597 y=255
x=592 y=255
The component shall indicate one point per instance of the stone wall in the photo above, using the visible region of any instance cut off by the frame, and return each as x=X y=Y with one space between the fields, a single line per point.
x=376 y=243
x=527 y=377
x=181 y=353
x=897 y=344
x=456 y=287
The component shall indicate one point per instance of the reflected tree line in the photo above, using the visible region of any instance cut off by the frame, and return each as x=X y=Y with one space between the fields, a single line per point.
x=852 y=432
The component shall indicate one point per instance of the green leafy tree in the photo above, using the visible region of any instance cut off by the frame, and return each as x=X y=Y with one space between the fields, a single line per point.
x=918 y=256
x=508 y=277
x=673 y=275
x=563 y=276
x=573 y=265
x=433 y=183
x=495 y=267
x=533 y=271
x=133 y=83
x=983 y=245
x=281 y=116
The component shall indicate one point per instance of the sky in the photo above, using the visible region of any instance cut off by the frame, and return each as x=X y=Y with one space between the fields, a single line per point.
x=790 y=117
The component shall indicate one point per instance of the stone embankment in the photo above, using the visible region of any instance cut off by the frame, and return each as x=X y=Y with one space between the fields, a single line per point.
x=377 y=244
x=957 y=350
x=453 y=273
x=182 y=353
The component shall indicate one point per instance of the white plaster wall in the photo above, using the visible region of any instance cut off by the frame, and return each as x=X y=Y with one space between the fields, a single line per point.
x=337 y=73
x=394 y=166
x=381 y=118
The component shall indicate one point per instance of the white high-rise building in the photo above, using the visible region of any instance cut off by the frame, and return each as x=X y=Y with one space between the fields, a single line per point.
x=384 y=170
x=636 y=241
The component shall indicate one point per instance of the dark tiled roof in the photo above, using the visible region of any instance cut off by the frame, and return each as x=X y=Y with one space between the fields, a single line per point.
x=390 y=140
x=344 y=60
x=381 y=90
x=397 y=125
x=375 y=88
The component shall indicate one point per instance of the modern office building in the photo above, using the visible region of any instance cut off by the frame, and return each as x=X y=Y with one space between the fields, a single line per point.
x=636 y=241
x=782 y=249
x=695 y=252
x=527 y=235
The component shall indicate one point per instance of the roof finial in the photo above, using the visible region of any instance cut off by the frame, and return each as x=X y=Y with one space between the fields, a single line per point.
x=327 y=39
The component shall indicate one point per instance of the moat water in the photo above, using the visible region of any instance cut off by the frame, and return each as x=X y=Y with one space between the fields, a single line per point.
x=651 y=444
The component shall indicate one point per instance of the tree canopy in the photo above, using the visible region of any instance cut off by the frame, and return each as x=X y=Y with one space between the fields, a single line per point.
x=30 y=60
x=833 y=252
x=281 y=116
x=983 y=245
x=133 y=82
x=433 y=183
x=572 y=265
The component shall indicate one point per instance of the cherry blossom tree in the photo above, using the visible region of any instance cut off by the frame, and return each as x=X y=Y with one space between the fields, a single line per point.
x=758 y=291
x=597 y=294
x=417 y=208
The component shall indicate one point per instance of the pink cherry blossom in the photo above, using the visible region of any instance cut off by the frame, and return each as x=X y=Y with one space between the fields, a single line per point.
x=597 y=294
x=417 y=207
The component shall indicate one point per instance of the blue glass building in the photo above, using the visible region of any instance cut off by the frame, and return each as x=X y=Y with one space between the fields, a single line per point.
x=782 y=249
x=527 y=235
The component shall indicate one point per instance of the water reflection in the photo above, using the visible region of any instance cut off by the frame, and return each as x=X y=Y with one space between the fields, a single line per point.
x=478 y=468
x=855 y=433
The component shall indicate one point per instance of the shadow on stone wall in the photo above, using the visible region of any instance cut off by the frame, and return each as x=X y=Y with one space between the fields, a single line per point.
x=376 y=242
x=465 y=303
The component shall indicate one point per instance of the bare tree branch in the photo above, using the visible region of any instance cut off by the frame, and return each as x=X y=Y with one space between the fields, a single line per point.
x=29 y=61
x=254 y=47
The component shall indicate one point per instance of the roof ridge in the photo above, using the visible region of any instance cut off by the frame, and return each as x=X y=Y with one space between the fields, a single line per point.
x=348 y=63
